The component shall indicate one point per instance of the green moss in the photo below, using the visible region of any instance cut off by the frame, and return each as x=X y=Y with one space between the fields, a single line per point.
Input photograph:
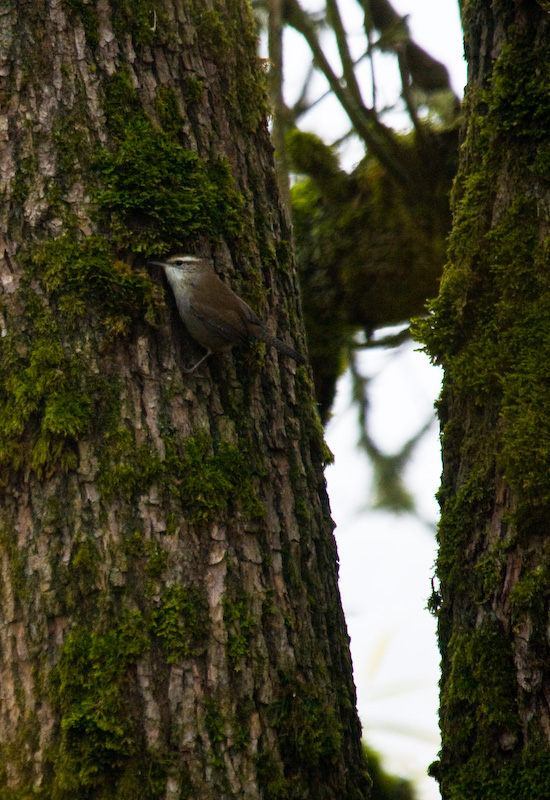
x=145 y=776
x=207 y=482
x=121 y=102
x=17 y=565
x=49 y=388
x=517 y=94
x=90 y=689
x=166 y=107
x=489 y=331
x=24 y=793
x=488 y=572
x=465 y=512
x=15 y=755
x=143 y=20
x=192 y=91
x=134 y=545
x=250 y=78
x=44 y=406
x=180 y=623
x=89 y=17
x=214 y=33
x=309 y=731
x=479 y=711
x=22 y=181
x=530 y=597
x=83 y=279
x=156 y=193
x=214 y=721
x=240 y=726
x=271 y=777
x=245 y=82
x=157 y=560
x=524 y=776
x=171 y=523
x=159 y=194
x=481 y=685
x=83 y=566
x=241 y=624
x=128 y=471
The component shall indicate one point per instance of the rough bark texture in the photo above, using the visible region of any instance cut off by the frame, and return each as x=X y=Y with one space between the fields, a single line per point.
x=170 y=624
x=491 y=331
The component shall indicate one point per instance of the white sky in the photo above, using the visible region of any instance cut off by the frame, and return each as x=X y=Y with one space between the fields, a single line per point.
x=386 y=562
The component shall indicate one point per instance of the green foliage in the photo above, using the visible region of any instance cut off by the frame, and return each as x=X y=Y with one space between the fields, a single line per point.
x=90 y=688
x=181 y=623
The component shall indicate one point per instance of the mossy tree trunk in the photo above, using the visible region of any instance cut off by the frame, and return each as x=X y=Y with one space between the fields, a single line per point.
x=170 y=624
x=491 y=331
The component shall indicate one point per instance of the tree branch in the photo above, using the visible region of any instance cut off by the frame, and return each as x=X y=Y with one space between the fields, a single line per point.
x=380 y=140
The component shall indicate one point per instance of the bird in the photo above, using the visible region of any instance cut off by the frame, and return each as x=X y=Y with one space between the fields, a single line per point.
x=214 y=315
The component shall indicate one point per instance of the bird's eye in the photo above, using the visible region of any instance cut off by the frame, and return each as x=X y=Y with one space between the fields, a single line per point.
x=179 y=262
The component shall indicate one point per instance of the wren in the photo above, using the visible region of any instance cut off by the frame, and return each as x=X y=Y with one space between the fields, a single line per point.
x=214 y=315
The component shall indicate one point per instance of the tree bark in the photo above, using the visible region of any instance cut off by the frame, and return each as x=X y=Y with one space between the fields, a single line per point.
x=491 y=331
x=170 y=623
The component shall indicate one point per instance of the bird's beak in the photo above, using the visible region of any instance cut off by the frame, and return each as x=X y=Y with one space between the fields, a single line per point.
x=157 y=263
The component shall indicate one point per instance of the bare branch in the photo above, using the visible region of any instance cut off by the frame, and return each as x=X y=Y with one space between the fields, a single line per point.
x=380 y=139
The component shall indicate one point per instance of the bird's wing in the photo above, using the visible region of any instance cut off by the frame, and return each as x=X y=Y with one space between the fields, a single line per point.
x=254 y=324
x=230 y=326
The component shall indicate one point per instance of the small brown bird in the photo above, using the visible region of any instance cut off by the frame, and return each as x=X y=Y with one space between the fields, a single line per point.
x=212 y=313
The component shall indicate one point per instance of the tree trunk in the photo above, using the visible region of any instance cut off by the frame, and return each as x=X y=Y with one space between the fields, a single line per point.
x=491 y=331
x=170 y=619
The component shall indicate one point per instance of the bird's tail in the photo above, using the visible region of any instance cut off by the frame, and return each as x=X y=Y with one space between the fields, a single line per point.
x=285 y=349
